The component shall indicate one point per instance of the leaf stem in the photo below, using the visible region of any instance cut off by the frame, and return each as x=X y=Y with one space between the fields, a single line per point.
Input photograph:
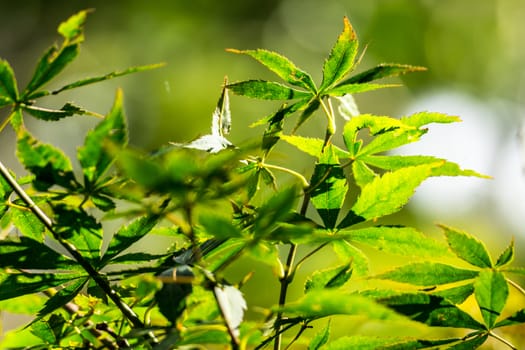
x=503 y=340
x=303 y=180
x=517 y=286
x=72 y=250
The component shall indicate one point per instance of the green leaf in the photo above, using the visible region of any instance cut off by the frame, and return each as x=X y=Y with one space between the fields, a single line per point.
x=404 y=241
x=28 y=304
x=72 y=28
x=330 y=278
x=456 y=295
x=422 y=118
x=93 y=156
x=364 y=342
x=51 y=330
x=516 y=318
x=311 y=107
x=346 y=251
x=171 y=298
x=266 y=90
x=47 y=114
x=320 y=338
x=33 y=255
x=428 y=274
x=362 y=173
x=104 y=77
x=329 y=187
x=323 y=303
x=62 y=297
x=395 y=162
x=344 y=89
x=342 y=56
x=28 y=224
x=431 y=310
x=281 y=66
x=14 y=285
x=276 y=209
x=50 y=65
x=471 y=344
x=219 y=227
x=467 y=247
x=127 y=235
x=507 y=256
x=491 y=291
x=389 y=193
x=8 y=88
x=390 y=140
x=312 y=146
x=49 y=164
x=80 y=229
x=381 y=71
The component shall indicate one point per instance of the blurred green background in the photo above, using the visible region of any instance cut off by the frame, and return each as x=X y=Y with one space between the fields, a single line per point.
x=473 y=50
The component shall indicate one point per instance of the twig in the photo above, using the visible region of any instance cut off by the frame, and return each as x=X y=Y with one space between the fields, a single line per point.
x=72 y=250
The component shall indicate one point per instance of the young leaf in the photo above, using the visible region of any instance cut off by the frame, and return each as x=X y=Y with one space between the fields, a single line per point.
x=323 y=303
x=8 y=88
x=381 y=71
x=491 y=291
x=93 y=156
x=507 y=256
x=320 y=338
x=128 y=235
x=72 y=28
x=329 y=187
x=346 y=89
x=266 y=90
x=389 y=193
x=346 y=251
x=390 y=140
x=312 y=146
x=430 y=309
x=362 y=173
x=428 y=274
x=341 y=58
x=467 y=247
x=423 y=118
x=404 y=241
x=49 y=165
x=281 y=66
x=456 y=295
x=330 y=278
x=28 y=224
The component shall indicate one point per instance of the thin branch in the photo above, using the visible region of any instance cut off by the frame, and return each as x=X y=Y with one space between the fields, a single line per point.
x=515 y=285
x=72 y=250
x=503 y=340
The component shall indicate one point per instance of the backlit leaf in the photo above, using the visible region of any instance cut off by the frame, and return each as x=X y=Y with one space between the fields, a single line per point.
x=515 y=319
x=62 y=297
x=8 y=88
x=346 y=251
x=311 y=146
x=342 y=56
x=507 y=256
x=274 y=210
x=491 y=291
x=344 y=89
x=428 y=274
x=266 y=90
x=362 y=173
x=14 y=285
x=281 y=66
x=389 y=193
x=423 y=118
x=467 y=247
x=404 y=241
x=28 y=224
x=93 y=156
x=329 y=278
x=320 y=338
x=71 y=29
x=456 y=295
x=381 y=71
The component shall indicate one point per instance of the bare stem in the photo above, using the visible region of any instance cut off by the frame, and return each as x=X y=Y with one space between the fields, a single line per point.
x=517 y=286
x=72 y=250
x=503 y=340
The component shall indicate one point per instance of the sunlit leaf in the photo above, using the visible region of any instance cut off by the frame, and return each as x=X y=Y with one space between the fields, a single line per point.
x=50 y=331
x=347 y=107
x=404 y=241
x=322 y=303
x=467 y=247
x=507 y=256
x=428 y=274
x=232 y=303
x=14 y=285
x=329 y=187
x=266 y=90
x=275 y=209
x=60 y=298
x=362 y=173
x=423 y=118
x=456 y=295
x=93 y=156
x=8 y=88
x=383 y=70
x=346 y=89
x=218 y=226
x=491 y=291
x=127 y=235
x=72 y=28
x=28 y=224
x=281 y=66
x=222 y=118
x=390 y=140
x=329 y=278
x=390 y=192
x=346 y=251
x=320 y=338
x=363 y=342
x=52 y=114
x=311 y=146
x=342 y=56
x=471 y=344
